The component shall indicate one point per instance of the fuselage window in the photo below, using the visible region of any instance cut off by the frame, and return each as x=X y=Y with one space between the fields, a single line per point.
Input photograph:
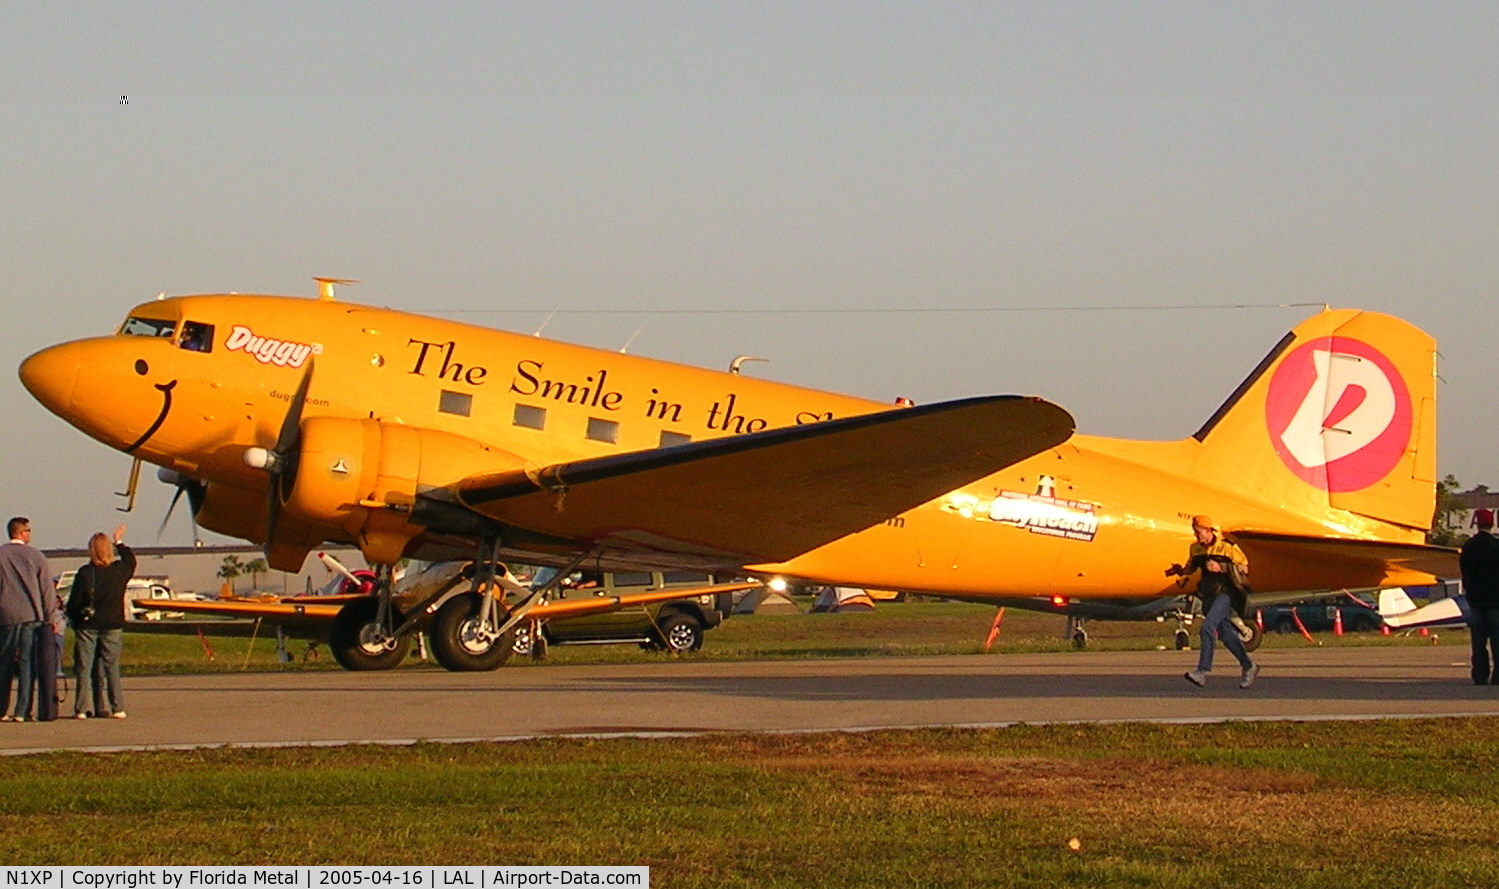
x=603 y=430
x=196 y=337
x=530 y=417
x=460 y=403
x=672 y=439
x=153 y=327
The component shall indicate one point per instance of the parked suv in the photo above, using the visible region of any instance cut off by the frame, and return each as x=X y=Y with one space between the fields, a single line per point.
x=1359 y=616
x=676 y=625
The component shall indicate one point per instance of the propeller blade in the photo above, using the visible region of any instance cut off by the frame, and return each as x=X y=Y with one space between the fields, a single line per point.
x=291 y=425
x=168 y=517
x=284 y=469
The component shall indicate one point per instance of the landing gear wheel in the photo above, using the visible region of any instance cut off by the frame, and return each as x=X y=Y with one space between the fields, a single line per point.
x=1255 y=637
x=460 y=644
x=1079 y=638
x=359 y=643
x=1183 y=640
x=681 y=633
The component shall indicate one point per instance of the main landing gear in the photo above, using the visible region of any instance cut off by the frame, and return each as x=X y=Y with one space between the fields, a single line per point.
x=469 y=631
x=363 y=635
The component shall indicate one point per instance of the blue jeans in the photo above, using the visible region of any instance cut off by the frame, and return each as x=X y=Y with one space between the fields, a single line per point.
x=16 y=664
x=1215 y=626
x=96 y=661
x=1483 y=628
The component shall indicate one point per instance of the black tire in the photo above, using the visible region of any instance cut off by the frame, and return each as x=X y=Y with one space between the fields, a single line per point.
x=1285 y=626
x=1364 y=623
x=1182 y=640
x=1079 y=639
x=680 y=633
x=358 y=644
x=454 y=644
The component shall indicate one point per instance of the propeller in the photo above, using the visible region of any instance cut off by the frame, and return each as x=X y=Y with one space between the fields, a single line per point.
x=280 y=462
x=195 y=491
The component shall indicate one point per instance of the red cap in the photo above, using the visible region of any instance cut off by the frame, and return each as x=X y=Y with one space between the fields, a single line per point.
x=1483 y=518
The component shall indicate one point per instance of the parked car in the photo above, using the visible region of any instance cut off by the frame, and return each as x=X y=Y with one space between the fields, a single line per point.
x=1359 y=615
x=677 y=625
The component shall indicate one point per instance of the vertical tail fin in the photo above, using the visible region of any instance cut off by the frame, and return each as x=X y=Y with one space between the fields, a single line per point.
x=1394 y=601
x=1341 y=415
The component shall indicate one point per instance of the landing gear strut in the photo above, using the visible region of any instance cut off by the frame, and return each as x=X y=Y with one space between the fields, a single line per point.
x=469 y=632
x=363 y=635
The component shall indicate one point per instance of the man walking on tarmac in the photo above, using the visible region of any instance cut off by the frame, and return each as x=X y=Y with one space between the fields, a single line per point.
x=1480 y=566
x=1224 y=567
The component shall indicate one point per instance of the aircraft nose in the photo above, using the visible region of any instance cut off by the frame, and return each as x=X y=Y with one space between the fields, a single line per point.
x=51 y=375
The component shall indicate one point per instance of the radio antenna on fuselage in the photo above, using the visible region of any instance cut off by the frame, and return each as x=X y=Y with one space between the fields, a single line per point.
x=626 y=347
x=545 y=323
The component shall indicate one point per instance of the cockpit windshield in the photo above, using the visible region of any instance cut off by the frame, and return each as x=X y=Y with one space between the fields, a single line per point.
x=153 y=327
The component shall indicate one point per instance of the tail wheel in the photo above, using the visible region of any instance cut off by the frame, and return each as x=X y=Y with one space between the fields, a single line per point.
x=1255 y=637
x=461 y=642
x=359 y=642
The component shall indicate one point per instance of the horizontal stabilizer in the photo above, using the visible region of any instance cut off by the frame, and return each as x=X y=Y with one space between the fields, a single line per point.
x=772 y=495
x=1356 y=563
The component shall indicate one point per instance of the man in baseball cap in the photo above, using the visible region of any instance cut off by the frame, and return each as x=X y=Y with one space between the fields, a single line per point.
x=1223 y=566
x=1480 y=566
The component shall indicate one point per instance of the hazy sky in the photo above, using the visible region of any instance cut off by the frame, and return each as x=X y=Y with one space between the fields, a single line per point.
x=524 y=157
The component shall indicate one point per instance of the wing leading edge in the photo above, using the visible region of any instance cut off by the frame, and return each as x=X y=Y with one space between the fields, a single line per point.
x=772 y=495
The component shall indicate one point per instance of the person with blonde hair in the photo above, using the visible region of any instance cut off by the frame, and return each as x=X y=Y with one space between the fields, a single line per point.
x=96 y=609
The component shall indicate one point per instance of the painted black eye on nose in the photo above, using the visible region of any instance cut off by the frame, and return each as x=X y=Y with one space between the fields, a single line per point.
x=141 y=366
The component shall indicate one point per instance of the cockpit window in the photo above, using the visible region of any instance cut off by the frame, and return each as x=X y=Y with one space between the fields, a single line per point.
x=196 y=336
x=148 y=327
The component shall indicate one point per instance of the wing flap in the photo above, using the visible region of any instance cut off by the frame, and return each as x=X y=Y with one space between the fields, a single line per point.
x=772 y=495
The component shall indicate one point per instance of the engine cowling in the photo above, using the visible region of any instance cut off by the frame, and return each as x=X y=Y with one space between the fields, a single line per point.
x=359 y=478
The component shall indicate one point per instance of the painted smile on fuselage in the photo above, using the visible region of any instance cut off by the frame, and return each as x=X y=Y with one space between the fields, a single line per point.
x=166 y=406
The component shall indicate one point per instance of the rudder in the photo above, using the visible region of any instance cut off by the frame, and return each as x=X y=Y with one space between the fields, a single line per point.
x=1341 y=415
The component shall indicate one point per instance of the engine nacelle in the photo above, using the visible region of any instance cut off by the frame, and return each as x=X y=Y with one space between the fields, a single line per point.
x=233 y=512
x=358 y=478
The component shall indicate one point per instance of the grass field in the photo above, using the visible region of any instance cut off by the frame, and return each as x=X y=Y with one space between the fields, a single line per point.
x=895 y=630
x=1399 y=803
x=1298 y=805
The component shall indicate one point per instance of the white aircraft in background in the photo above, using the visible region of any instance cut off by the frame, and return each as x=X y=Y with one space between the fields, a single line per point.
x=1400 y=613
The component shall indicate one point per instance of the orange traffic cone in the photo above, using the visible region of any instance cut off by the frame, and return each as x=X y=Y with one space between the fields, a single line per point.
x=1337 y=621
x=994 y=630
x=1384 y=629
x=1425 y=632
x=1259 y=618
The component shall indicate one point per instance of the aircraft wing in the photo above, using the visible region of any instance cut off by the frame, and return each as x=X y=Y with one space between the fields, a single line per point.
x=277 y=611
x=1368 y=557
x=771 y=495
x=317 y=611
x=566 y=608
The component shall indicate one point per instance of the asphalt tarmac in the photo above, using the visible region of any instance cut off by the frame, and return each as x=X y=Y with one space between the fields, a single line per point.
x=685 y=696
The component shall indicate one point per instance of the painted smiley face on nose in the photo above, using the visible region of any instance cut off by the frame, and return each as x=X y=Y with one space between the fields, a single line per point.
x=142 y=368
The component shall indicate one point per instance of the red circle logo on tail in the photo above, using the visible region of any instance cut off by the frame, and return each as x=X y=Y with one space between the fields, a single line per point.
x=1339 y=414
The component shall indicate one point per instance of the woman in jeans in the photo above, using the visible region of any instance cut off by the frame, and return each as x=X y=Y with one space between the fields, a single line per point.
x=96 y=609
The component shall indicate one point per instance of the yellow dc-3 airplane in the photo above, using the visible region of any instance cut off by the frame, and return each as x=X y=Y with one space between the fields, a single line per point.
x=295 y=422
